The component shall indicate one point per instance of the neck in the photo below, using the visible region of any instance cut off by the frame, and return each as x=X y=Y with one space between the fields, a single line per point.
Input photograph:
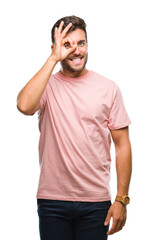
x=71 y=74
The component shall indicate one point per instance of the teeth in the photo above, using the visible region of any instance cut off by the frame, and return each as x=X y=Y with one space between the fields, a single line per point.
x=76 y=60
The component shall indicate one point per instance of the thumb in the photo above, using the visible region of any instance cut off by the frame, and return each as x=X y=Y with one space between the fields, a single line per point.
x=107 y=221
x=73 y=48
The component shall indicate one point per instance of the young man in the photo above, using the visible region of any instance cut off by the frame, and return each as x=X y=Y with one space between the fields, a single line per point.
x=79 y=110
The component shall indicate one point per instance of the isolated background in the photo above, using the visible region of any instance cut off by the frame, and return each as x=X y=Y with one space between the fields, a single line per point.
x=119 y=50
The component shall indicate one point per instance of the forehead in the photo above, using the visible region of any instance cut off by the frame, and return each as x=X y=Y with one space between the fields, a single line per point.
x=77 y=35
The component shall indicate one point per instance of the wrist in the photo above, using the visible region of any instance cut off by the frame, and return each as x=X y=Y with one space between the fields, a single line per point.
x=53 y=59
x=124 y=199
x=119 y=203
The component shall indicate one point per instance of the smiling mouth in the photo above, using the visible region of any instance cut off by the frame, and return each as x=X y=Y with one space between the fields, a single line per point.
x=76 y=60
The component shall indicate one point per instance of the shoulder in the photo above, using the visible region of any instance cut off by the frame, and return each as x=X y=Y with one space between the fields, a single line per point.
x=107 y=82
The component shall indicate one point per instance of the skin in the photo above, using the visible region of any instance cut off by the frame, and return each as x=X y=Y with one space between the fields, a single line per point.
x=28 y=99
x=69 y=46
x=77 y=39
x=118 y=211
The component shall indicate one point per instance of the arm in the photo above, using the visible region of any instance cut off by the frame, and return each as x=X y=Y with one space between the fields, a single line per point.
x=123 y=160
x=29 y=97
x=28 y=100
x=123 y=167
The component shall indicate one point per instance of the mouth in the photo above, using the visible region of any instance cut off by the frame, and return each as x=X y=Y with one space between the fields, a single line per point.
x=76 y=60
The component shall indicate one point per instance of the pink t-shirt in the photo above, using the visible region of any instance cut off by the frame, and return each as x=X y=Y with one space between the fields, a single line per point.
x=75 y=119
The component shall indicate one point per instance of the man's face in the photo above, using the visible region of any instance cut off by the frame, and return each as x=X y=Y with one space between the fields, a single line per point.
x=77 y=60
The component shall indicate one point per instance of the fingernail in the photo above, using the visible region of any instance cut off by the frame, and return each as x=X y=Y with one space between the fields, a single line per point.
x=105 y=223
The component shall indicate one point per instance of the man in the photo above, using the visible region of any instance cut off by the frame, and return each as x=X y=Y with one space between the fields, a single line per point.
x=79 y=110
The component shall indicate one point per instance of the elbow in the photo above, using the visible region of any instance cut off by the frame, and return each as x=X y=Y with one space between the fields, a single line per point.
x=23 y=109
x=123 y=147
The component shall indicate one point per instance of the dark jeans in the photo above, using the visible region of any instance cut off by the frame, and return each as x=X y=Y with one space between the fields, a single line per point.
x=72 y=220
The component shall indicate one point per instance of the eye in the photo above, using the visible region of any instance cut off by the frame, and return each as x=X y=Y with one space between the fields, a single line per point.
x=81 y=43
x=67 y=45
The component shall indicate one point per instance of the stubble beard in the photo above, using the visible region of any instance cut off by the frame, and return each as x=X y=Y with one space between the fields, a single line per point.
x=67 y=66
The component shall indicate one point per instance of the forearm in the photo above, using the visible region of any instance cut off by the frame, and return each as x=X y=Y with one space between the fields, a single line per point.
x=123 y=168
x=30 y=95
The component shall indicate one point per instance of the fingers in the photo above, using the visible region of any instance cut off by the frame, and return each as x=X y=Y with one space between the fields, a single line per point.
x=59 y=32
x=60 y=27
x=108 y=218
x=66 y=30
x=118 y=213
x=63 y=45
x=113 y=229
x=55 y=33
x=67 y=42
x=69 y=45
x=72 y=49
x=117 y=225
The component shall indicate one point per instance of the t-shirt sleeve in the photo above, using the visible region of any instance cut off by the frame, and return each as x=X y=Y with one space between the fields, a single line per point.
x=118 y=117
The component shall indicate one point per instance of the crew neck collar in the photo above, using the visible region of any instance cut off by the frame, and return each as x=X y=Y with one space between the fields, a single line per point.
x=72 y=79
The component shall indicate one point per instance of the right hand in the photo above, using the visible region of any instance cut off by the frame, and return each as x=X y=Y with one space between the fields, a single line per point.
x=59 y=50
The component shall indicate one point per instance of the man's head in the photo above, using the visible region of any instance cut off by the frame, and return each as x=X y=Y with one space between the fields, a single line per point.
x=76 y=61
x=77 y=23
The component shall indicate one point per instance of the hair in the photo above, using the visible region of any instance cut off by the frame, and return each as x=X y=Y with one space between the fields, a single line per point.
x=77 y=23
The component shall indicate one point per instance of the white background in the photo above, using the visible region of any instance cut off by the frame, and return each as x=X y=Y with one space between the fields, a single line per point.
x=118 y=49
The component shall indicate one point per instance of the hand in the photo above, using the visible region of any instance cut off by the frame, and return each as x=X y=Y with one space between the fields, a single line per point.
x=63 y=45
x=118 y=212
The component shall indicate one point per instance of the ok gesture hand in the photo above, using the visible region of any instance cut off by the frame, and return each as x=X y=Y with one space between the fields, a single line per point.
x=59 y=49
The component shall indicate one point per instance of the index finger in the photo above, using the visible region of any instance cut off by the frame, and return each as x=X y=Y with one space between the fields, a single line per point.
x=64 y=32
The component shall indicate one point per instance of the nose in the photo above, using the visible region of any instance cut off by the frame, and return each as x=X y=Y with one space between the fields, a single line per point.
x=77 y=51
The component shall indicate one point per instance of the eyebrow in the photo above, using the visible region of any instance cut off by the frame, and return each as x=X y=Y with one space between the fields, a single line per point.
x=82 y=41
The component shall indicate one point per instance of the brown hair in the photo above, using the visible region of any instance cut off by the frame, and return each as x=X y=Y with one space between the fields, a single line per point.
x=76 y=23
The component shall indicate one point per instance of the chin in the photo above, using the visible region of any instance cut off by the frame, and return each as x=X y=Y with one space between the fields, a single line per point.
x=71 y=68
